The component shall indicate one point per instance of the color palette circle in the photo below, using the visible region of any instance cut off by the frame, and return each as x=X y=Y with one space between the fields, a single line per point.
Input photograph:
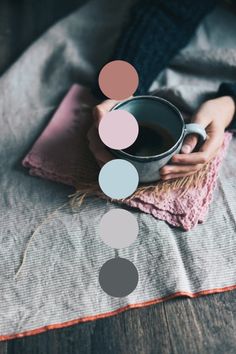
x=118 y=277
x=118 y=228
x=118 y=129
x=118 y=80
x=118 y=179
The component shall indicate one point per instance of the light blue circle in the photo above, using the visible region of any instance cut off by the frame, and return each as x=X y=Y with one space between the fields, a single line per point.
x=118 y=179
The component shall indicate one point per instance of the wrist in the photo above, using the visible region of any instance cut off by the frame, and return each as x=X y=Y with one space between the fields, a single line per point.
x=229 y=103
x=219 y=111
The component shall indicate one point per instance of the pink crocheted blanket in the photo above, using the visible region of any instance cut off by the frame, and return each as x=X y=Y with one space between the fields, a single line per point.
x=61 y=154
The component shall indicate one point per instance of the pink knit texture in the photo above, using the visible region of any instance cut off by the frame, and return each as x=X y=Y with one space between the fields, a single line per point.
x=61 y=154
x=184 y=210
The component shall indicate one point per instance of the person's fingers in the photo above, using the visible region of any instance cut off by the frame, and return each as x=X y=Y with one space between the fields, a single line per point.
x=101 y=109
x=97 y=147
x=191 y=159
x=176 y=175
x=206 y=151
x=173 y=169
x=189 y=143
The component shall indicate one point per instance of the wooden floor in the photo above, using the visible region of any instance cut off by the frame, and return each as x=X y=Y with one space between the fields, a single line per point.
x=205 y=325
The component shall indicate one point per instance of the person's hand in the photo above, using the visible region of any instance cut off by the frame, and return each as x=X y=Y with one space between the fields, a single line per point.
x=214 y=115
x=101 y=154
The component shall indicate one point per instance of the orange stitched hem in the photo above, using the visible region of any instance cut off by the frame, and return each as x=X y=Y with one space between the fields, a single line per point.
x=115 y=312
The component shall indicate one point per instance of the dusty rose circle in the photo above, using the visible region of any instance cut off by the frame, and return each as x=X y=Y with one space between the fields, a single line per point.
x=118 y=80
x=118 y=129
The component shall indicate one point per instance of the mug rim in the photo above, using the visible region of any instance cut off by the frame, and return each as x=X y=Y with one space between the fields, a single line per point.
x=158 y=156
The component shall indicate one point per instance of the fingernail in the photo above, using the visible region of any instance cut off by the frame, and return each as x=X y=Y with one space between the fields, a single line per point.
x=186 y=149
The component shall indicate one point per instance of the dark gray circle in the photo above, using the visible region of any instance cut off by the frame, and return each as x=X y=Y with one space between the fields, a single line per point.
x=118 y=277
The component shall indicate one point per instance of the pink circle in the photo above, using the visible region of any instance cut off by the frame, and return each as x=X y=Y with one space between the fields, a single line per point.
x=118 y=129
x=118 y=79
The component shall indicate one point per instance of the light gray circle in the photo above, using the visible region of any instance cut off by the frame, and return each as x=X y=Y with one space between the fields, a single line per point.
x=118 y=277
x=118 y=179
x=118 y=228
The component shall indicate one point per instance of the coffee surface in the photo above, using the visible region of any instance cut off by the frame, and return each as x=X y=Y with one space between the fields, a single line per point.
x=151 y=140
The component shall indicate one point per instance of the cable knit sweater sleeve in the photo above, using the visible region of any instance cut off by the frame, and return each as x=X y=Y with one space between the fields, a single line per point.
x=156 y=31
x=229 y=89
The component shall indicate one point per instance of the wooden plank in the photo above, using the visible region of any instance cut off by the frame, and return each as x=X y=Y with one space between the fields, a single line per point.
x=3 y=348
x=74 y=339
x=140 y=331
x=203 y=325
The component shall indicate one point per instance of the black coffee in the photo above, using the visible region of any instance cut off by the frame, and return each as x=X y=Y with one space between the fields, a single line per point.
x=151 y=140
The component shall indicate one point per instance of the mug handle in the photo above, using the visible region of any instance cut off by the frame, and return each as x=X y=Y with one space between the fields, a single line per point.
x=195 y=128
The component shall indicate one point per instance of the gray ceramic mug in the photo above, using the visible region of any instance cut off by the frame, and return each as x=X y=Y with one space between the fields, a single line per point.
x=155 y=110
